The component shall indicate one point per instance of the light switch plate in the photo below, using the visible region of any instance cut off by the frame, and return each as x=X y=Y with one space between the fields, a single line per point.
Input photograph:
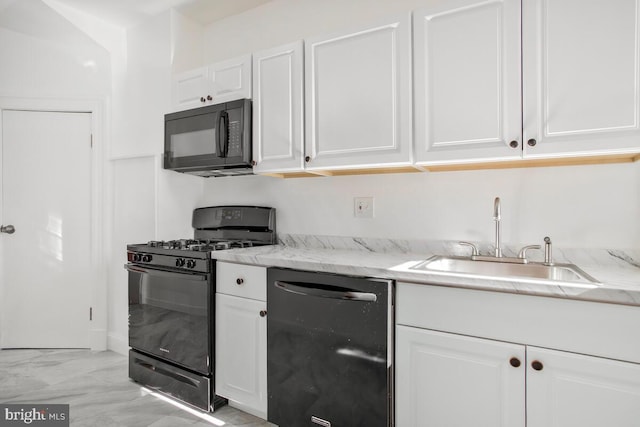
x=363 y=207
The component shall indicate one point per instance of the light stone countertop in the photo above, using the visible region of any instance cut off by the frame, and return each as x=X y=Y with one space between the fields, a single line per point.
x=618 y=271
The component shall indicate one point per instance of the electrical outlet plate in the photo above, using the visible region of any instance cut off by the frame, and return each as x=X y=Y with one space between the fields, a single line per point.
x=363 y=207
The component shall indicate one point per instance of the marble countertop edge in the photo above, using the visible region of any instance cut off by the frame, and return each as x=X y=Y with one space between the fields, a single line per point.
x=618 y=274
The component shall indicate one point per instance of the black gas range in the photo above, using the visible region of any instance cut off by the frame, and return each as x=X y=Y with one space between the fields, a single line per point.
x=171 y=301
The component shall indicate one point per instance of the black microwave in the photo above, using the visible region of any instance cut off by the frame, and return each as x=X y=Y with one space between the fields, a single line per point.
x=210 y=141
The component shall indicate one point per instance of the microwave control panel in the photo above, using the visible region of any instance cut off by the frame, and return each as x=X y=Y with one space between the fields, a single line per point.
x=235 y=138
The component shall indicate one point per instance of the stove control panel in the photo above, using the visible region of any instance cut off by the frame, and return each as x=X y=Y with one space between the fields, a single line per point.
x=171 y=261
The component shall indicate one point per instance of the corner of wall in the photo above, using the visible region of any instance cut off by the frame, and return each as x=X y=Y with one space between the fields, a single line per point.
x=187 y=44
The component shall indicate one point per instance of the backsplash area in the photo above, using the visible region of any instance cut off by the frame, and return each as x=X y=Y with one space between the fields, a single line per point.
x=627 y=258
x=594 y=206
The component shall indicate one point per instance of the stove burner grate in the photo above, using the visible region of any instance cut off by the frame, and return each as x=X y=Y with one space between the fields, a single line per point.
x=200 y=245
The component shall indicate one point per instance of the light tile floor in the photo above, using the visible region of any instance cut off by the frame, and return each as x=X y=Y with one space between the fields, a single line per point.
x=97 y=388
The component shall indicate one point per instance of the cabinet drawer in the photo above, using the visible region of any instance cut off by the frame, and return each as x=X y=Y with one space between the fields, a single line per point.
x=598 y=329
x=246 y=281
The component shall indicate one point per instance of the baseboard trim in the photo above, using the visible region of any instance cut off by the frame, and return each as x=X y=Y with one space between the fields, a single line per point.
x=98 y=339
x=248 y=409
x=118 y=344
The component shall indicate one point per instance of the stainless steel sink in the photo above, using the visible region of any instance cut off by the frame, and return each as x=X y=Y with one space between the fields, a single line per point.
x=503 y=270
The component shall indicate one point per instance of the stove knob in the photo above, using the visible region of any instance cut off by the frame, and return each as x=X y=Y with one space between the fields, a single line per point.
x=147 y=258
x=191 y=263
x=180 y=262
x=136 y=257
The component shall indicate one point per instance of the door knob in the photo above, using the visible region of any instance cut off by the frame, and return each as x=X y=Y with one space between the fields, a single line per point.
x=9 y=229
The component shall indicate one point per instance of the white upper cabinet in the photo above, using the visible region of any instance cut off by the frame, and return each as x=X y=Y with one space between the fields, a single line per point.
x=278 y=131
x=220 y=82
x=579 y=80
x=358 y=98
x=230 y=80
x=581 y=76
x=467 y=81
x=189 y=89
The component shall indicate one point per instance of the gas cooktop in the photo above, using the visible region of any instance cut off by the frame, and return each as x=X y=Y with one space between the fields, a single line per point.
x=216 y=228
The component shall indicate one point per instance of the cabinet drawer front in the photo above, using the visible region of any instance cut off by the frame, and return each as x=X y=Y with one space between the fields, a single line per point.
x=599 y=329
x=246 y=281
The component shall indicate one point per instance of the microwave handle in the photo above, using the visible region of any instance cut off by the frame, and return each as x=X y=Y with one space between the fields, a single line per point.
x=223 y=134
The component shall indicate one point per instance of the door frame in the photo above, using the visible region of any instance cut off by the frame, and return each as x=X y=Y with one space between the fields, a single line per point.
x=98 y=290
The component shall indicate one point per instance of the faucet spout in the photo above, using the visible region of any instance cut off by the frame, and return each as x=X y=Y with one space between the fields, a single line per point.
x=497 y=217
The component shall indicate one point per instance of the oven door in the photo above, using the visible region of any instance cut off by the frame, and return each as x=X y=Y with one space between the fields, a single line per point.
x=169 y=316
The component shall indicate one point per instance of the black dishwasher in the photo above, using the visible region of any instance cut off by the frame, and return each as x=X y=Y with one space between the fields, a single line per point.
x=329 y=350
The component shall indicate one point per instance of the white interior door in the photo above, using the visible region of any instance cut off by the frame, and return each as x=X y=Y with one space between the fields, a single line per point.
x=46 y=196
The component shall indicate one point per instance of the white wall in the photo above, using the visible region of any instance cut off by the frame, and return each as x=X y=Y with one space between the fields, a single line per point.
x=49 y=63
x=578 y=206
x=282 y=21
x=44 y=56
x=64 y=53
x=145 y=202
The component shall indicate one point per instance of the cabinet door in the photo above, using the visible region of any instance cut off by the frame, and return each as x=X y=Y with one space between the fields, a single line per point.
x=230 y=80
x=581 y=77
x=358 y=98
x=241 y=353
x=572 y=390
x=189 y=89
x=457 y=381
x=277 y=109
x=467 y=81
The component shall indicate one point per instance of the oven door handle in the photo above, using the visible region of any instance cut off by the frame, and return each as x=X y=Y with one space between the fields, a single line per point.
x=325 y=291
x=162 y=273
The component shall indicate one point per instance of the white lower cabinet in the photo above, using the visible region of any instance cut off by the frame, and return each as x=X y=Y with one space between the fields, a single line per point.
x=241 y=341
x=457 y=381
x=582 y=391
x=454 y=379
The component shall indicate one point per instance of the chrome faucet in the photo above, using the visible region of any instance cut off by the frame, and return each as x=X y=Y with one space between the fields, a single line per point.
x=496 y=218
x=498 y=256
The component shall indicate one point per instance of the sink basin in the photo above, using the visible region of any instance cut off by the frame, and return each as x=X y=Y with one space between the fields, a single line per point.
x=504 y=270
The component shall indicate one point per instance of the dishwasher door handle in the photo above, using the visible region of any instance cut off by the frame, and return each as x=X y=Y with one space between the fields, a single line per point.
x=325 y=291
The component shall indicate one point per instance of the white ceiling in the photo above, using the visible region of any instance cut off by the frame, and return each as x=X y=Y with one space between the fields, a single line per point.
x=126 y=13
